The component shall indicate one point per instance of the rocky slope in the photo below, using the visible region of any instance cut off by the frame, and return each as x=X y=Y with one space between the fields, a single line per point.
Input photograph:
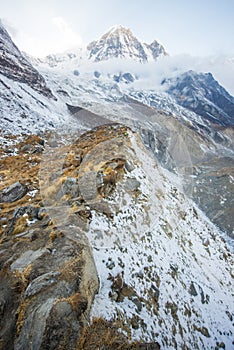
x=180 y=139
x=27 y=103
x=107 y=211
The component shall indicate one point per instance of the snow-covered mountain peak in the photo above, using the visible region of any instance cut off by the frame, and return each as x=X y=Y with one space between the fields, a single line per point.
x=120 y=42
x=117 y=42
x=119 y=29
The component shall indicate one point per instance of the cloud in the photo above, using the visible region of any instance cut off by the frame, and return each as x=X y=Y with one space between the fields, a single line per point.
x=68 y=37
x=56 y=36
x=151 y=74
x=9 y=27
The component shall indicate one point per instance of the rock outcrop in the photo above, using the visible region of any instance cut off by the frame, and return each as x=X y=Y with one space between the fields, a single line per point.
x=13 y=192
x=48 y=278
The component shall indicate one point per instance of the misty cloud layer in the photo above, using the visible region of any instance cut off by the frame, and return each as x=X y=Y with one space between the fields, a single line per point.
x=151 y=74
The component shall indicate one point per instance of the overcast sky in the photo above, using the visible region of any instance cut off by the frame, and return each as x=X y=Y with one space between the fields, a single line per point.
x=201 y=27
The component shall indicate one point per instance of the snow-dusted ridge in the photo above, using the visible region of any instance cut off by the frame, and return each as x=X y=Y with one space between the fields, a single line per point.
x=163 y=268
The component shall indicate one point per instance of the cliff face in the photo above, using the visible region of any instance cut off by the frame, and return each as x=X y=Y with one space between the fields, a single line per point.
x=15 y=66
x=202 y=94
x=100 y=229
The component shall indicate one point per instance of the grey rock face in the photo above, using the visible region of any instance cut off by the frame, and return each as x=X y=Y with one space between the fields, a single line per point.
x=41 y=282
x=34 y=326
x=13 y=193
x=46 y=286
x=88 y=185
x=15 y=66
x=132 y=184
x=71 y=187
x=27 y=258
x=202 y=94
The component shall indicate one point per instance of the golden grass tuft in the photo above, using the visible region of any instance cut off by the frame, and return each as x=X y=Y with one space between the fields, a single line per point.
x=104 y=335
x=20 y=284
x=22 y=277
x=72 y=269
x=77 y=301
x=21 y=313
x=53 y=236
x=20 y=225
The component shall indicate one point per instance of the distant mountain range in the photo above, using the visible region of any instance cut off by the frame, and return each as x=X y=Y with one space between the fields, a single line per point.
x=117 y=42
x=194 y=91
x=202 y=94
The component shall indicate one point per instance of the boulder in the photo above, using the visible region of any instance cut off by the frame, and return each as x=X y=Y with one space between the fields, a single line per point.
x=132 y=184
x=13 y=193
x=47 y=287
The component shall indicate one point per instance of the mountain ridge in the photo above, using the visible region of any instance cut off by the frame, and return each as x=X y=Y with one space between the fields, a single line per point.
x=117 y=42
x=201 y=93
x=15 y=66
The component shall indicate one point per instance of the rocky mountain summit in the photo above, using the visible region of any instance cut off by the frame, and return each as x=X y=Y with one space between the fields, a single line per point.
x=119 y=42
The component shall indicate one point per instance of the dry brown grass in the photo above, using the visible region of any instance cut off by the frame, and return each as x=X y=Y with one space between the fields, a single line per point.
x=103 y=335
x=20 y=225
x=22 y=281
x=72 y=269
x=53 y=236
x=77 y=301
x=22 y=277
x=21 y=313
x=19 y=168
x=106 y=335
x=51 y=188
